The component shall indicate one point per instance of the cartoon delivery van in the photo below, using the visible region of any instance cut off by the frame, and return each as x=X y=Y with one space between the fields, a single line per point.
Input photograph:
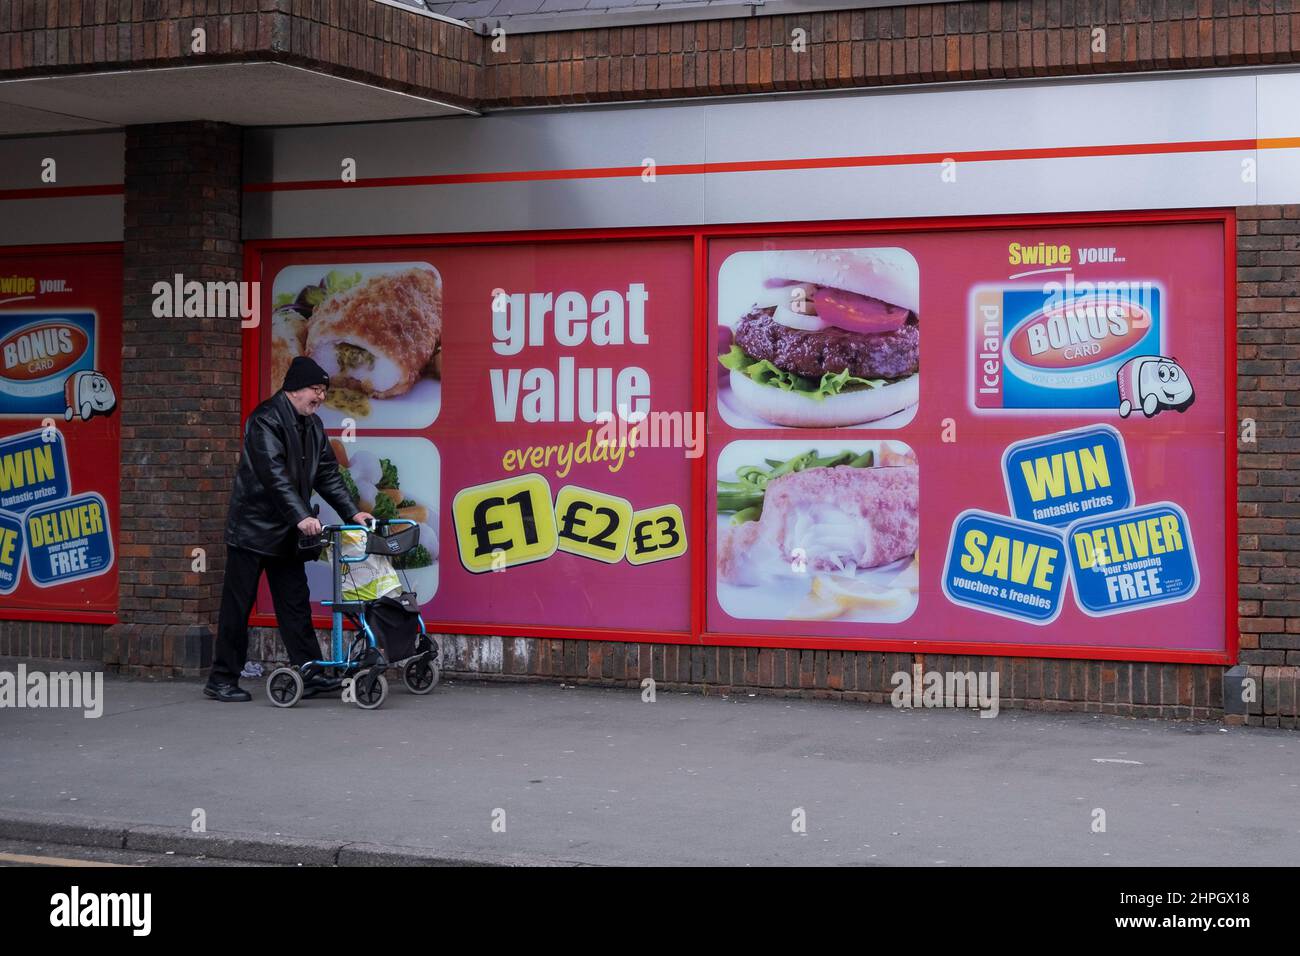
x=88 y=393
x=1154 y=384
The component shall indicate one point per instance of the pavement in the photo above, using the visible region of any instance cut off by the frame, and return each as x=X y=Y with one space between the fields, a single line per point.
x=518 y=774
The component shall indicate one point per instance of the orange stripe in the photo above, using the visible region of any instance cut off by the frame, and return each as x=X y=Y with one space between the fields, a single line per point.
x=776 y=165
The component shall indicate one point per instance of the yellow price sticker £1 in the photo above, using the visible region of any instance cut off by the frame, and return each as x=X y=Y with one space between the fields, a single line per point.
x=503 y=524
x=592 y=524
x=657 y=535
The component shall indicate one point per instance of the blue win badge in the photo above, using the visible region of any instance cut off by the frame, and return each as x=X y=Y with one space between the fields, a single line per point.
x=1140 y=558
x=11 y=551
x=68 y=540
x=1057 y=479
x=1005 y=567
x=33 y=471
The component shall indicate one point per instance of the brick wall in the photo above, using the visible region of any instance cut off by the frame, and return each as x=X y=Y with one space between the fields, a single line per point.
x=52 y=640
x=1178 y=691
x=370 y=42
x=398 y=49
x=889 y=45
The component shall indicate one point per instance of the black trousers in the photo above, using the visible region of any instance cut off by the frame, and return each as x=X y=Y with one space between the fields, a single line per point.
x=287 y=577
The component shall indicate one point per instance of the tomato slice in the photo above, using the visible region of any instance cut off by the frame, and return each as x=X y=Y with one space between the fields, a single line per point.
x=857 y=313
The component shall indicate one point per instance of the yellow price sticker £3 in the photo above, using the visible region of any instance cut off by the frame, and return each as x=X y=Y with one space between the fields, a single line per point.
x=504 y=523
x=592 y=524
x=657 y=535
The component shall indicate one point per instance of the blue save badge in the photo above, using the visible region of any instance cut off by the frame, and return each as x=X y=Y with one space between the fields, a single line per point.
x=68 y=540
x=11 y=551
x=1140 y=558
x=1060 y=478
x=1005 y=567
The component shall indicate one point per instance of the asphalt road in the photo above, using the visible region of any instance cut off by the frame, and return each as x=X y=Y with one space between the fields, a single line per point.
x=587 y=775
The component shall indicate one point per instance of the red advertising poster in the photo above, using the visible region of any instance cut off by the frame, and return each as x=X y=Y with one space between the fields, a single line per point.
x=996 y=437
x=60 y=377
x=467 y=386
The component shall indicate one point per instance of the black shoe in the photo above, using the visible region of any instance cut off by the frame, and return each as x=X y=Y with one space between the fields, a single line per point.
x=225 y=692
x=320 y=684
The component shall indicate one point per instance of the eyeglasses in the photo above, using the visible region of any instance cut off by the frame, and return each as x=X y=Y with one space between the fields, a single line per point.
x=319 y=390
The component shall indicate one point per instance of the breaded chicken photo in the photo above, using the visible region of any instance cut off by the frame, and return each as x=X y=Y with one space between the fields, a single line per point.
x=379 y=336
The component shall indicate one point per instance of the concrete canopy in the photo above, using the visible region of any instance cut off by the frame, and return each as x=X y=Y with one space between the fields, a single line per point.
x=242 y=94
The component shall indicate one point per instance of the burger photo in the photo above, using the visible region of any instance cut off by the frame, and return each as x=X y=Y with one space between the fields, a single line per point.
x=830 y=338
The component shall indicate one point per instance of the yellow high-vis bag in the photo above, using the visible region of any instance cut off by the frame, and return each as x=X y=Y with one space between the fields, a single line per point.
x=369 y=579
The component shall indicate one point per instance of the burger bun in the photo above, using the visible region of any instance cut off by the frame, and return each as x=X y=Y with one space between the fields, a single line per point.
x=795 y=410
x=889 y=274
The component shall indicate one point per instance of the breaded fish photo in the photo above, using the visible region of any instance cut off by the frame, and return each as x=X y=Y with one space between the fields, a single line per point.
x=837 y=520
x=377 y=337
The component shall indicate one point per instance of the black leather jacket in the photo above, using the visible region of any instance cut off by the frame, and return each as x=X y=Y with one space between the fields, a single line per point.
x=274 y=482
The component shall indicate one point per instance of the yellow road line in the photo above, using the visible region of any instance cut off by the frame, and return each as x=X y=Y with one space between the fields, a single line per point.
x=52 y=860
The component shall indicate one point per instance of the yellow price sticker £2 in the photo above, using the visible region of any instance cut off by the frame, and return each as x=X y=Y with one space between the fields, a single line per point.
x=592 y=524
x=657 y=535
x=503 y=524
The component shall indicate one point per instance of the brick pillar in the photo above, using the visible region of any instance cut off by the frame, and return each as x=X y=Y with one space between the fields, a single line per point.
x=180 y=395
x=1268 y=457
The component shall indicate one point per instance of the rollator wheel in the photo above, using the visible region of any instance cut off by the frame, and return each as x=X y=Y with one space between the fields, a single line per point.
x=421 y=674
x=370 y=691
x=284 y=686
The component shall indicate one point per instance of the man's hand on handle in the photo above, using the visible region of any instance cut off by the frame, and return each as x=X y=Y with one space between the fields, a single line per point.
x=309 y=525
x=363 y=517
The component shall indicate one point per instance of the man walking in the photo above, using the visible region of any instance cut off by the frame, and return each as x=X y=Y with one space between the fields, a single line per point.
x=286 y=456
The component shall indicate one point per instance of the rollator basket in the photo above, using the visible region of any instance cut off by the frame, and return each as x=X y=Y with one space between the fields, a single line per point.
x=395 y=621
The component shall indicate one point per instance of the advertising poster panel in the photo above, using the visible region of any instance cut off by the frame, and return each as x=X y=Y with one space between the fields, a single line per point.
x=467 y=386
x=1002 y=436
x=997 y=436
x=60 y=378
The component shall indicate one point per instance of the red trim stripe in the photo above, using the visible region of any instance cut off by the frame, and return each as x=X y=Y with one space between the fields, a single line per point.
x=777 y=165
x=700 y=169
x=63 y=192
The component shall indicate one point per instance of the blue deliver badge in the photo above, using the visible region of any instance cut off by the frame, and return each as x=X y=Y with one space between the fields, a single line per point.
x=1060 y=478
x=1005 y=567
x=11 y=551
x=33 y=471
x=1140 y=558
x=68 y=541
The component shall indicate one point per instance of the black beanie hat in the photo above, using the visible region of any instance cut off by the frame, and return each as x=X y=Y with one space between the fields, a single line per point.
x=304 y=373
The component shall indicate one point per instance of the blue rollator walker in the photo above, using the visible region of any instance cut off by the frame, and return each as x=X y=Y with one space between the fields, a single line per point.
x=389 y=630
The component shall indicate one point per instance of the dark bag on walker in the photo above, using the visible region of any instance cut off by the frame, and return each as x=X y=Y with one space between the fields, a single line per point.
x=395 y=622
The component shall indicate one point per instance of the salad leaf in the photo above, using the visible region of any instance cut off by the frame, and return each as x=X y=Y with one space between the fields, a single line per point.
x=417 y=557
x=384 y=508
x=336 y=281
x=388 y=474
x=765 y=373
x=333 y=281
x=743 y=498
x=349 y=484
